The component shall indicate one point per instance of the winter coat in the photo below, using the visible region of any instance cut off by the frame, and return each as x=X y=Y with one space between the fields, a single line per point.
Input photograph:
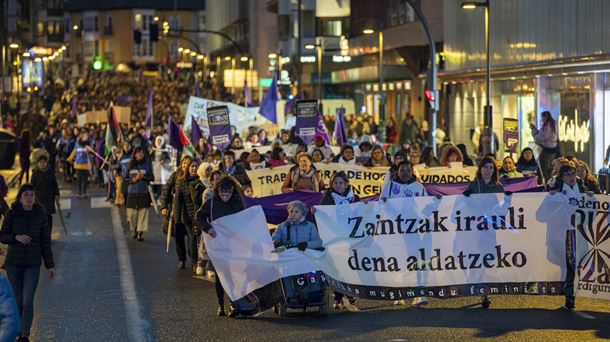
x=137 y=192
x=34 y=224
x=291 y=234
x=215 y=208
x=478 y=186
x=238 y=173
x=328 y=199
x=167 y=195
x=46 y=188
x=184 y=207
x=10 y=321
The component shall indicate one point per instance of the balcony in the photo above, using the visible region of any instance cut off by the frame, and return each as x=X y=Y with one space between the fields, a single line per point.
x=108 y=31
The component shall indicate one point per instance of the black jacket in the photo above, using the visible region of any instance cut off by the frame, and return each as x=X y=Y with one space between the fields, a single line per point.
x=559 y=186
x=184 y=207
x=46 y=189
x=215 y=208
x=34 y=224
x=167 y=196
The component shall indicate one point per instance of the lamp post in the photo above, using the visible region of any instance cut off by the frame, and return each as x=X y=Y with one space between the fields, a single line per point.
x=319 y=48
x=488 y=109
x=382 y=95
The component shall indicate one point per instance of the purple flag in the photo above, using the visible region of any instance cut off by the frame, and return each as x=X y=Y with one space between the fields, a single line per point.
x=197 y=91
x=196 y=134
x=340 y=133
x=149 y=113
x=247 y=95
x=268 y=105
x=321 y=128
x=220 y=126
x=176 y=139
x=275 y=207
x=74 y=109
x=307 y=120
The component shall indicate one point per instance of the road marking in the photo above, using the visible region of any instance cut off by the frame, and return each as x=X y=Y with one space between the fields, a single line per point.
x=136 y=326
x=99 y=202
x=66 y=203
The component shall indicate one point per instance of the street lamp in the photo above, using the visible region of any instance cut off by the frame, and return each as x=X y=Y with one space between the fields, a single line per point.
x=382 y=130
x=319 y=50
x=13 y=46
x=488 y=110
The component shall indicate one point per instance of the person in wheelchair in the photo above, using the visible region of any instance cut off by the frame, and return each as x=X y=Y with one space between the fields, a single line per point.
x=296 y=231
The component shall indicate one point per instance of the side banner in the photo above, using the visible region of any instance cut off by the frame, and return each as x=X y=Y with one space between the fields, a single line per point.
x=220 y=126
x=365 y=181
x=242 y=254
x=456 y=246
x=592 y=224
x=446 y=174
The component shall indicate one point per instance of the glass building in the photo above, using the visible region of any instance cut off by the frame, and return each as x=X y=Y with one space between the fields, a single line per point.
x=545 y=55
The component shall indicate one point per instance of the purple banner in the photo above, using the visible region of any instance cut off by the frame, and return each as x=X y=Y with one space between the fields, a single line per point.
x=307 y=120
x=275 y=207
x=522 y=184
x=220 y=126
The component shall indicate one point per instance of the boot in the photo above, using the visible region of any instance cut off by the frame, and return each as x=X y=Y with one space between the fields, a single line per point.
x=135 y=234
x=140 y=238
x=221 y=311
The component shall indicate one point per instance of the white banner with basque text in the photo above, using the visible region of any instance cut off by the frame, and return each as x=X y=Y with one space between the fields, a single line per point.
x=449 y=247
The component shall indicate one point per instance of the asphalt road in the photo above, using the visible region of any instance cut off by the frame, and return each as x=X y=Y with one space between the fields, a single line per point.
x=112 y=288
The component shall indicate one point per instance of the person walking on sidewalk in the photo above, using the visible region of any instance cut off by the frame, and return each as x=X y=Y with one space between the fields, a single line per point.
x=47 y=189
x=138 y=175
x=25 y=230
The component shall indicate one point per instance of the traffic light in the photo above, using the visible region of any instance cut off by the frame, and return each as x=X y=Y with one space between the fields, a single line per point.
x=430 y=97
x=153 y=28
x=137 y=36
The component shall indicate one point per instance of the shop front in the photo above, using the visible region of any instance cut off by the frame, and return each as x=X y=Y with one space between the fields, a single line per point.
x=579 y=102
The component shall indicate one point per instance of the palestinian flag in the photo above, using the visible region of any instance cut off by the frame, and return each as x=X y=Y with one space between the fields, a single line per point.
x=113 y=131
x=178 y=140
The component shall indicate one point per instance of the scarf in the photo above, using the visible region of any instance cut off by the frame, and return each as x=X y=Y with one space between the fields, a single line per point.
x=346 y=198
x=311 y=175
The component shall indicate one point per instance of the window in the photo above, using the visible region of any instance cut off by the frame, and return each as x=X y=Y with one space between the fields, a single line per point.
x=90 y=24
x=137 y=21
x=174 y=23
x=97 y=48
x=283 y=25
x=40 y=28
x=96 y=25
x=330 y=28
x=144 y=23
x=67 y=25
x=89 y=47
x=50 y=28
x=201 y=20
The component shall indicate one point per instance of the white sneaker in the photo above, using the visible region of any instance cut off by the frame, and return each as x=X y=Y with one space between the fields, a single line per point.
x=211 y=274
x=420 y=301
x=400 y=302
x=199 y=271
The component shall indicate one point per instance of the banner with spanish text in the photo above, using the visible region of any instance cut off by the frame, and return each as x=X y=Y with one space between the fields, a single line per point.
x=446 y=174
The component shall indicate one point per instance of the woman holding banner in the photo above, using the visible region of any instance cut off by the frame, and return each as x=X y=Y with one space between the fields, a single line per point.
x=547 y=138
x=226 y=201
x=340 y=192
x=304 y=177
x=486 y=182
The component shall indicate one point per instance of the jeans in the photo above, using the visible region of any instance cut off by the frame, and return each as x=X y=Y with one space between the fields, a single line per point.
x=190 y=246
x=83 y=179
x=24 y=281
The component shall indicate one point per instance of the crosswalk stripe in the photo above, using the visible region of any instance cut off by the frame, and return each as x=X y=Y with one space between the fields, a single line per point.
x=99 y=202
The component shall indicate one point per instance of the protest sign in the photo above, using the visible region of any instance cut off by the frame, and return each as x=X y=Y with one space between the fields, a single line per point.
x=484 y=244
x=306 y=119
x=511 y=134
x=365 y=181
x=446 y=174
x=242 y=254
x=592 y=225
x=220 y=126
x=241 y=117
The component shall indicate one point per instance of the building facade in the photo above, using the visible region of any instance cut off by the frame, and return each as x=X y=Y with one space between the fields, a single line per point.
x=545 y=55
x=104 y=32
